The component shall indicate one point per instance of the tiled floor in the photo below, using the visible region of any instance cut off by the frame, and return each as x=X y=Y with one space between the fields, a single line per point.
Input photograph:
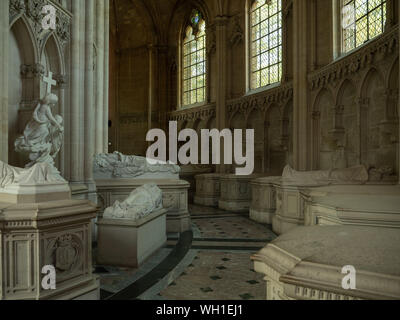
x=217 y=276
x=216 y=267
x=223 y=270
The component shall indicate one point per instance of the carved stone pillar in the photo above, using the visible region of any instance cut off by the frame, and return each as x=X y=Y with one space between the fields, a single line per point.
x=99 y=107
x=61 y=86
x=4 y=35
x=316 y=118
x=89 y=97
x=363 y=105
x=286 y=39
x=391 y=19
x=221 y=74
x=338 y=132
x=106 y=74
x=76 y=107
x=152 y=84
x=267 y=153
x=398 y=114
x=301 y=49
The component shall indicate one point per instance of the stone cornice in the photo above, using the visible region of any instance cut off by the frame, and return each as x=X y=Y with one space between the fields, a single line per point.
x=191 y=114
x=376 y=50
x=42 y=215
x=261 y=100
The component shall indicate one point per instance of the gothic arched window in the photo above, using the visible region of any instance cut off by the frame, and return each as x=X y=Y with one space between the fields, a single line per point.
x=266 y=43
x=362 y=20
x=194 y=61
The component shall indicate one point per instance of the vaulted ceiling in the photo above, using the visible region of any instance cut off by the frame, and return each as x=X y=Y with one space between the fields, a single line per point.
x=141 y=22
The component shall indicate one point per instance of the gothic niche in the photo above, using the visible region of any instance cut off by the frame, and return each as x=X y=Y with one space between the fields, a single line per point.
x=378 y=130
x=255 y=121
x=323 y=128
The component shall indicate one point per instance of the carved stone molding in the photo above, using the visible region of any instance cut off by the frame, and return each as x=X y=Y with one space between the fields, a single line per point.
x=261 y=101
x=62 y=80
x=17 y=7
x=211 y=40
x=32 y=71
x=237 y=33
x=201 y=113
x=32 y=9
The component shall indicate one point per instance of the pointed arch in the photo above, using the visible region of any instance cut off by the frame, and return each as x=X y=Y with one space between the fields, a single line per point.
x=26 y=40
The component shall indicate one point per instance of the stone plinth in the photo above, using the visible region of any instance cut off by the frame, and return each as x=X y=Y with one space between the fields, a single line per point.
x=175 y=198
x=290 y=205
x=189 y=172
x=128 y=243
x=236 y=192
x=263 y=202
x=56 y=233
x=306 y=263
x=208 y=190
x=375 y=206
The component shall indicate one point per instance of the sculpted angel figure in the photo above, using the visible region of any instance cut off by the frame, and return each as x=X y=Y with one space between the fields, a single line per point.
x=43 y=134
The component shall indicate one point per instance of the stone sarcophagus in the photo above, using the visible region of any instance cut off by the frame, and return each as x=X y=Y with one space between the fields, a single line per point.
x=263 y=201
x=208 y=189
x=40 y=226
x=128 y=243
x=174 y=193
x=236 y=192
x=189 y=174
x=117 y=175
x=307 y=263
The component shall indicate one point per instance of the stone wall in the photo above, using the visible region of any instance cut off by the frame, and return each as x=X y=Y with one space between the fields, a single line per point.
x=330 y=110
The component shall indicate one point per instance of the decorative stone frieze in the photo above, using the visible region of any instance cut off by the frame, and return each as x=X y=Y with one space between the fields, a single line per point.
x=32 y=10
x=364 y=57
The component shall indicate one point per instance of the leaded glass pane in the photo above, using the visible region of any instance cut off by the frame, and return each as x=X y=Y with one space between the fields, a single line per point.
x=370 y=20
x=194 y=62
x=266 y=43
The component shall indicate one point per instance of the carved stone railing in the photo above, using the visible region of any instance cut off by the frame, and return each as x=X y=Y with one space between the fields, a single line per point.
x=354 y=62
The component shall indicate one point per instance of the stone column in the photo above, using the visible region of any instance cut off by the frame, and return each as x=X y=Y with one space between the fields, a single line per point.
x=301 y=144
x=99 y=114
x=76 y=132
x=106 y=73
x=62 y=86
x=89 y=90
x=398 y=112
x=391 y=18
x=4 y=34
x=152 y=82
x=221 y=23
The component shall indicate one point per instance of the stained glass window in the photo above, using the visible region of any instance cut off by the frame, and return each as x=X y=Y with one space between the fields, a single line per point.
x=368 y=19
x=266 y=43
x=194 y=61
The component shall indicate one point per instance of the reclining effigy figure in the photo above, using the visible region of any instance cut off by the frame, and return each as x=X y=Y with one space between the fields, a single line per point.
x=354 y=175
x=118 y=165
x=140 y=203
